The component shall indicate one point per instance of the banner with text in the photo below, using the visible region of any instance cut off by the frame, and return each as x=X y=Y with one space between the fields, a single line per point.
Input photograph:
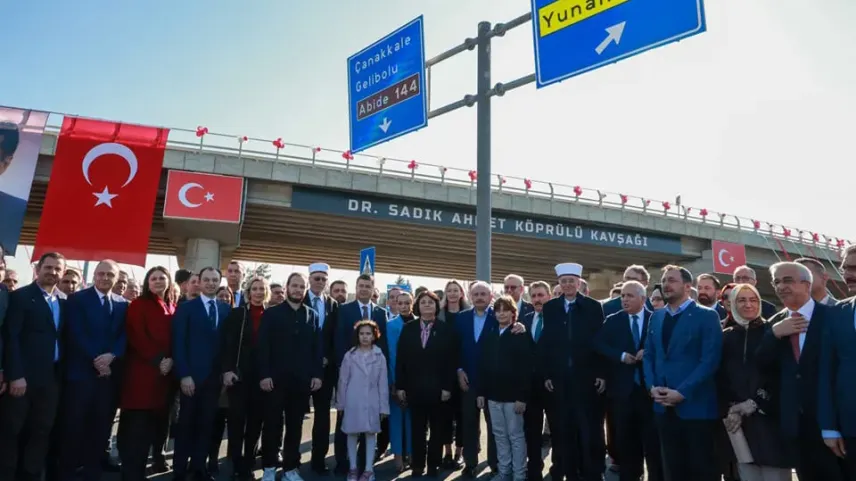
x=20 y=141
x=464 y=217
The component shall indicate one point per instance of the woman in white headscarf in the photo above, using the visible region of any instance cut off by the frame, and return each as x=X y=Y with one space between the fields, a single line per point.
x=747 y=393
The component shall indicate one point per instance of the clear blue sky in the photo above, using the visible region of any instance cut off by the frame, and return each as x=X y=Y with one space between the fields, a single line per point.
x=734 y=119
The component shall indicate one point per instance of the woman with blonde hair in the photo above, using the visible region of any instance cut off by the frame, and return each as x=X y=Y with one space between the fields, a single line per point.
x=241 y=376
x=747 y=393
x=454 y=301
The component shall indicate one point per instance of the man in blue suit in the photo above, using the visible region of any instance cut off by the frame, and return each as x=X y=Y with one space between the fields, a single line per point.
x=632 y=273
x=95 y=340
x=350 y=313
x=621 y=341
x=196 y=337
x=836 y=391
x=682 y=353
x=33 y=331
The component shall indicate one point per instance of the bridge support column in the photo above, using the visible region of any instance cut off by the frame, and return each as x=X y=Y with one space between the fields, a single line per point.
x=600 y=283
x=200 y=253
x=702 y=265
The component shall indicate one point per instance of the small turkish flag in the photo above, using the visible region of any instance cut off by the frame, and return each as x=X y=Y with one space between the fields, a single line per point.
x=727 y=256
x=208 y=197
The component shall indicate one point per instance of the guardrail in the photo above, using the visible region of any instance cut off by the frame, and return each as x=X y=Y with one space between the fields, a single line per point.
x=278 y=150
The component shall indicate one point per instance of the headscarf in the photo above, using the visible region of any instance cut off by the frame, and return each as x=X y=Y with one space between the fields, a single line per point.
x=733 y=297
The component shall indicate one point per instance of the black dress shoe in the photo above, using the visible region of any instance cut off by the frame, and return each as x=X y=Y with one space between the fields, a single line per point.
x=469 y=472
x=450 y=463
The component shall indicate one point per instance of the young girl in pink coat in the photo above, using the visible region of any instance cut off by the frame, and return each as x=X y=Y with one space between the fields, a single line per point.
x=363 y=394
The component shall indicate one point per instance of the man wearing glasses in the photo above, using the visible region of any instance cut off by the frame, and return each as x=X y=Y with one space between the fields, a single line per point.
x=514 y=288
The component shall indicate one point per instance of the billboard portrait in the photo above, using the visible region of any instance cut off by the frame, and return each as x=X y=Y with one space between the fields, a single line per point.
x=20 y=141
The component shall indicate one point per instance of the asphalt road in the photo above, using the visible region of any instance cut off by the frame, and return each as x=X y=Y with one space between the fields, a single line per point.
x=384 y=470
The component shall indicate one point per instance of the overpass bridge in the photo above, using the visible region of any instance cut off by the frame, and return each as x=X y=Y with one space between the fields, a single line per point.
x=305 y=203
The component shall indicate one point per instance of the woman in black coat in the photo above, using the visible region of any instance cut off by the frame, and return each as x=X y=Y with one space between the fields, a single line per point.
x=747 y=393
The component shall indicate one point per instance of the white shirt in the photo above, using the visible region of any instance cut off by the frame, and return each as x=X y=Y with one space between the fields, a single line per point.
x=237 y=295
x=806 y=311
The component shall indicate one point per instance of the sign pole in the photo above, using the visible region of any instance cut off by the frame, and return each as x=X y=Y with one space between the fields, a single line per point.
x=483 y=146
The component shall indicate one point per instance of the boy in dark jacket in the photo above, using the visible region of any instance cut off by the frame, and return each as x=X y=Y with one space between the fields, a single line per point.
x=505 y=369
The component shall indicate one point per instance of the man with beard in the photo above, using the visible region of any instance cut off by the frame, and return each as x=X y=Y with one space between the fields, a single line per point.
x=339 y=291
x=848 y=267
x=681 y=356
x=708 y=287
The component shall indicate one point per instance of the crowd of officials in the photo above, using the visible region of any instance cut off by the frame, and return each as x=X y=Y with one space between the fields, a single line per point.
x=689 y=379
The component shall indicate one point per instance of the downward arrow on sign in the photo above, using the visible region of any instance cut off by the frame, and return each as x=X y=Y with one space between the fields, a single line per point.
x=385 y=125
x=615 y=32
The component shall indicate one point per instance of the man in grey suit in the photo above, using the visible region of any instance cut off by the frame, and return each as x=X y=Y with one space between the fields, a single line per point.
x=819 y=280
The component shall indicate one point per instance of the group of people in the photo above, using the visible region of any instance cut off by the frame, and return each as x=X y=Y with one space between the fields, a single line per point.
x=694 y=380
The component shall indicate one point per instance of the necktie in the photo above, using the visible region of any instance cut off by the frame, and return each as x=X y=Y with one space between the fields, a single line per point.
x=539 y=326
x=795 y=346
x=212 y=314
x=426 y=330
x=105 y=306
x=636 y=332
x=365 y=312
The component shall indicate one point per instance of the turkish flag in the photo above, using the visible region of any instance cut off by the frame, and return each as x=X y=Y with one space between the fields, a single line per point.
x=102 y=190
x=727 y=256
x=208 y=197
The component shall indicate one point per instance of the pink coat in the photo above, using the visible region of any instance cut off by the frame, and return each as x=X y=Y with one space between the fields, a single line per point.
x=363 y=391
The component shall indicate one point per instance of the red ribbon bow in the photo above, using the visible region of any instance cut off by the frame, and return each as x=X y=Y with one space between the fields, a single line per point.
x=786 y=232
x=412 y=165
x=578 y=191
x=667 y=206
x=839 y=242
x=756 y=224
x=527 y=183
x=501 y=179
x=473 y=175
x=243 y=139
x=316 y=149
x=703 y=212
x=815 y=236
x=201 y=131
x=347 y=155
x=278 y=143
x=623 y=198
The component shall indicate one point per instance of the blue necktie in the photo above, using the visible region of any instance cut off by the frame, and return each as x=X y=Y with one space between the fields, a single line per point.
x=539 y=327
x=212 y=314
x=365 y=312
x=636 y=337
x=105 y=306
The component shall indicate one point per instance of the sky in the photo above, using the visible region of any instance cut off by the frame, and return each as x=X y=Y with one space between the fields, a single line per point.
x=732 y=119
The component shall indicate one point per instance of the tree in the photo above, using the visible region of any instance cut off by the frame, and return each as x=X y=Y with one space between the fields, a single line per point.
x=401 y=281
x=261 y=270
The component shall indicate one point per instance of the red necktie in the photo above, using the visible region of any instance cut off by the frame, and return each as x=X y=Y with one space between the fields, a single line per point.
x=795 y=346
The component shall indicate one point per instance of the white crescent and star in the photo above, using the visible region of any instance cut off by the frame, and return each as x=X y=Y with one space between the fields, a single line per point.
x=105 y=197
x=182 y=195
x=722 y=261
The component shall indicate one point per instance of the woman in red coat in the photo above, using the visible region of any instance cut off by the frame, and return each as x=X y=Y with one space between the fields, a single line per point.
x=146 y=381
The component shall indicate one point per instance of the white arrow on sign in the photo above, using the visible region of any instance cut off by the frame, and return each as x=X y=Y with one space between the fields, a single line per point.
x=385 y=125
x=615 y=33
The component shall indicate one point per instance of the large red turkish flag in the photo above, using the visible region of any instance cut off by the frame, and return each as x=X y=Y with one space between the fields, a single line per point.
x=102 y=191
x=198 y=196
x=727 y=256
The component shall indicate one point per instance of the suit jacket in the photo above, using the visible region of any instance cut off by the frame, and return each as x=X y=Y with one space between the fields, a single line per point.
x=32 y=337
x=537 y=354
x=328 y=330
x=242 y=302
x=570 y=341
x=4 y=306
x=612 y=306
x=469 y=348
x=836 y=396
x=690 y=361
x=90 y=332
x=195 y=342
x=348 y=316
x=290 y=346
x=526 y=309
x=768 y=309
x=149 y=331
x=239 y=352
x=423 y=373
x=613 y=340
x=798 y=380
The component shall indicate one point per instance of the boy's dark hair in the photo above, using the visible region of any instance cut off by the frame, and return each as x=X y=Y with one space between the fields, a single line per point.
x=182 y=276
x=362 y=324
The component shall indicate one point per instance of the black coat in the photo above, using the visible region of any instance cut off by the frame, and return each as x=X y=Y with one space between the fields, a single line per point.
x=505 y=367
x=422 y=373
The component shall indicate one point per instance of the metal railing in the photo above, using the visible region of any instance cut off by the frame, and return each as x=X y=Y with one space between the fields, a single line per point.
x=277 y=150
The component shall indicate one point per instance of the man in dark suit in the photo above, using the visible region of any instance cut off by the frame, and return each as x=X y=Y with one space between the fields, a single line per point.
x=621 y=341
x=513 y=285
x=533 y=417
x=820 y=278
x=632 y=273
x=792 y=347
x=682 y=353
x=573 y=372
x=95 y=336
x=747 y=275
x=328 y=310
x=32 y=332
x=196 y=337
x=836 y=391
x=234 y=279
x=348 y=316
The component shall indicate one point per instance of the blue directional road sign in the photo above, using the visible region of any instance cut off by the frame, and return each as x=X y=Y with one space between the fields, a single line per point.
x=573 y=37
x=386 y=88
x=367 y=261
